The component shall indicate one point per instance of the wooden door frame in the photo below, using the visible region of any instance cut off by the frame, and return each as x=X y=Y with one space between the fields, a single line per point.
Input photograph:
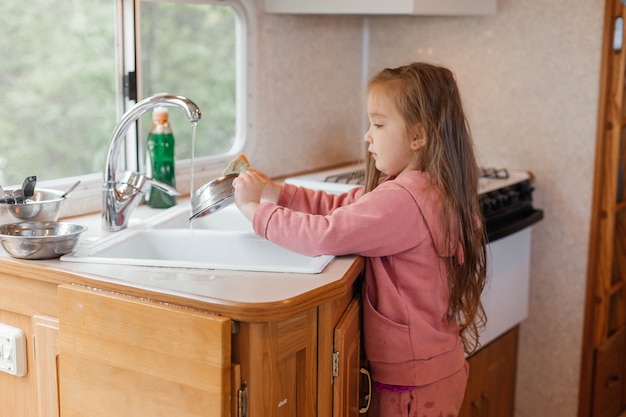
x=597 y=253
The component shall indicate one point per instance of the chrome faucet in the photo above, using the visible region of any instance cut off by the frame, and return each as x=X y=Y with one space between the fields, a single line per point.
x=119 y=199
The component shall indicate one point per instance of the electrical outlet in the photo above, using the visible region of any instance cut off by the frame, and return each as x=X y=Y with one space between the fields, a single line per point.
x=12 y=350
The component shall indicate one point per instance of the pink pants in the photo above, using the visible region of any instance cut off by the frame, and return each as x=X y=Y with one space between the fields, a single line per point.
x=439 y=399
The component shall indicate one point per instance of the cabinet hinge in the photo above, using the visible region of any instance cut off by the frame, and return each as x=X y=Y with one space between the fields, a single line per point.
x=335 y=364
x=242 y=400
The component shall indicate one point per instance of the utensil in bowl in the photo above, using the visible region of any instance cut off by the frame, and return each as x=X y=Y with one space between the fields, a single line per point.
x=213 y=196
x=18 y=196
x=45 y=205
x=40 y=240
x=28 y=186
x=70 y=189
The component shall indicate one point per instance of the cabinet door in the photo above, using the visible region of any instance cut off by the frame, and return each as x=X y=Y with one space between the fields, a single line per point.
x=347 y=363
x=491 y=385
x=608 y=385
x=278 y=365
x=498 y=396
x=124 y=356
x=472 y=403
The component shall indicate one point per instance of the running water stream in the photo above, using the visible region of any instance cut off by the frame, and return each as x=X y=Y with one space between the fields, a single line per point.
x=194 y=126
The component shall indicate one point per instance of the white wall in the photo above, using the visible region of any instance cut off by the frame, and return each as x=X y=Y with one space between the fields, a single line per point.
x=530 y=78
x=309 y=92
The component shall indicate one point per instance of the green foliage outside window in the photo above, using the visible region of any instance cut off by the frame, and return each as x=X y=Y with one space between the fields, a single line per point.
x=58 y=77
x=188 y=50
x=57 y=84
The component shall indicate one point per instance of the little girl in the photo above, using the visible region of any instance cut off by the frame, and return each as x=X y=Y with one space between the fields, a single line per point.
x=418 y=224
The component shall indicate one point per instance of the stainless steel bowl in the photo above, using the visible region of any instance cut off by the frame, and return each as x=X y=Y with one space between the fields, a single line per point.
x=213 y=196
x=45 y=205
x=40 y=240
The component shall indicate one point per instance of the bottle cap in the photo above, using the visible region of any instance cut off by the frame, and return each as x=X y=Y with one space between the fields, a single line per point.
x=159 y=113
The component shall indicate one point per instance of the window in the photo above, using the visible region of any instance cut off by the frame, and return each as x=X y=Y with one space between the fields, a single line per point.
x=187 y=49
x=64 y=90
x=57 y=77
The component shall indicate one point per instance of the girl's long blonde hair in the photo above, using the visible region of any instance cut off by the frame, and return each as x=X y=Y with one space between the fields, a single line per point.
x=428 y=96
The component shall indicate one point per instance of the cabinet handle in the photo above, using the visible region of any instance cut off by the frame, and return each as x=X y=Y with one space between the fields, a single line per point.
x=368 y=396
x=475 y=409
x=612 y=381
x=485 y=402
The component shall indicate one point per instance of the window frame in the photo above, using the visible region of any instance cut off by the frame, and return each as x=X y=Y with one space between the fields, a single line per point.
x=127 y=35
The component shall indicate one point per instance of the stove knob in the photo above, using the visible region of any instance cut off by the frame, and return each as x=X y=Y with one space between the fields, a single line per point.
x=499 y=200
x=502 y=199
x=514 y=196
x=486 y=205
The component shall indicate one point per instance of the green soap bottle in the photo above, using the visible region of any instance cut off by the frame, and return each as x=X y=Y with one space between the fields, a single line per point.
x=161 y=158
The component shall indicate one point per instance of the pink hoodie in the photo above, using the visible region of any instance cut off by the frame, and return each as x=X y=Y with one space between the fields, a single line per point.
x=409 y=337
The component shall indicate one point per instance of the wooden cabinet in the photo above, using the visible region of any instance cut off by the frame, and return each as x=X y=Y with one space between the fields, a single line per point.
x=97 y=348
x=30 y=305
x=491 y=384
x=135 y=357
x=383 y=7
x=131 y=356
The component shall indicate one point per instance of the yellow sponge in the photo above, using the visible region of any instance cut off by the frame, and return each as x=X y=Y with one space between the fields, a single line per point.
x=238 y=165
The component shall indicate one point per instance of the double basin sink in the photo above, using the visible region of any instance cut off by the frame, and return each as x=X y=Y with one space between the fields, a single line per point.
x=222 y=240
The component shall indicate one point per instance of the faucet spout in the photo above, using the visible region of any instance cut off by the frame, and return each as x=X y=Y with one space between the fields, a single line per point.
x=118 y=201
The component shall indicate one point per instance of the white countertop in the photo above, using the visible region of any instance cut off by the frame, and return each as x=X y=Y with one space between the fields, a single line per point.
x=198 y=284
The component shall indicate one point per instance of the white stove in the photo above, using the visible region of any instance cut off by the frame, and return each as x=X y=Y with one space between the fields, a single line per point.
x=342 y=179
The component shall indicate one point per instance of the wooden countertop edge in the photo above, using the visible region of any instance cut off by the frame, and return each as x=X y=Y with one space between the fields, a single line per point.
x=241 y=311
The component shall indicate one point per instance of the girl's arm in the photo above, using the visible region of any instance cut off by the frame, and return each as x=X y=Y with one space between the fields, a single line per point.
x=253 y=186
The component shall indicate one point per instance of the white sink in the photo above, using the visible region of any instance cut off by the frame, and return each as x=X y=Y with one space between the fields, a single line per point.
x=229 y=218
x=222 y=240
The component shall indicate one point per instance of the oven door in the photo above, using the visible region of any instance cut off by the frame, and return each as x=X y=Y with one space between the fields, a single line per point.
x=506 y=293
x=497 y=229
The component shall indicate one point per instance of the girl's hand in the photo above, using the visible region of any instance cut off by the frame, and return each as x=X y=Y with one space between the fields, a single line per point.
x=271 y=192
x=249 y=187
